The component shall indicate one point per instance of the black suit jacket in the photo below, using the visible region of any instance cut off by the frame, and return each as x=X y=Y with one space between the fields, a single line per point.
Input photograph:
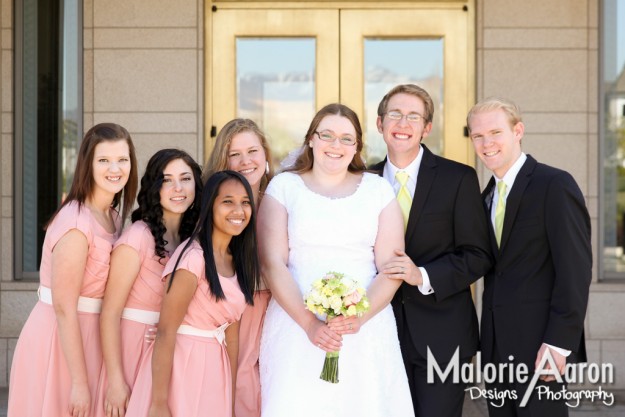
x=447 y=234
x=538 y=289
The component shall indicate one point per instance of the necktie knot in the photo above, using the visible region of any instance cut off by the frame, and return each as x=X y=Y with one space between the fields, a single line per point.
x=501 y=189
x=402 y=177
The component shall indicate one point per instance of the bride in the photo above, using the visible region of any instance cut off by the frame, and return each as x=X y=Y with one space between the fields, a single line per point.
x=327 y=214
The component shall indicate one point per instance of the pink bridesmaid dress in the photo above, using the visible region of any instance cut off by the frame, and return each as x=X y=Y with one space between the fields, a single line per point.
x=142 y=306
x=40 y=382
x=201 y=378
x=247 y=395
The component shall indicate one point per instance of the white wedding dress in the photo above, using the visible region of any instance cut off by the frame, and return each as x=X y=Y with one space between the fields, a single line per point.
x=332 y=235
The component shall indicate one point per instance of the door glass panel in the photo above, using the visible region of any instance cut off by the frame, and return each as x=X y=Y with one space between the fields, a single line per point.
x=276 y=88
x=389 y=62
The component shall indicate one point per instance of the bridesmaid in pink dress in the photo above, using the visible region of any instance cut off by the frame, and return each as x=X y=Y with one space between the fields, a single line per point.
x=57 y=359
x=242 y=147
x=189 y=370
x=134 y=290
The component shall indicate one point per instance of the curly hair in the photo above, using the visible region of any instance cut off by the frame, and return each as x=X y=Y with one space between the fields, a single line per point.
x=150 y=210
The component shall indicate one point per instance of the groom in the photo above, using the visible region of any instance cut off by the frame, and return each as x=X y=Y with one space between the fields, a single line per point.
x=447 y=249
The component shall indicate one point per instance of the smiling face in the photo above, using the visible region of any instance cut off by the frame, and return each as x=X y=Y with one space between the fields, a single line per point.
x=178 y=189
x=496 y=142
x=111 y=166
x=333 y=156
x=247 y=157
x=402 y=137
x=232 y=209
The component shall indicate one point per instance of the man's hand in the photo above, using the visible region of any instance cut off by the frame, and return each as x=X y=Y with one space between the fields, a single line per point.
x=402 y=267
x=559 y=360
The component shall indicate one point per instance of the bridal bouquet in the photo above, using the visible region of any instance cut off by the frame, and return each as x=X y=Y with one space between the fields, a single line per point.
x=332 y=296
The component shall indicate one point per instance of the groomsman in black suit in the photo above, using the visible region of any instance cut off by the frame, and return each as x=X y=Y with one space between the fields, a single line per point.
x=447 y=249
x=536 y=295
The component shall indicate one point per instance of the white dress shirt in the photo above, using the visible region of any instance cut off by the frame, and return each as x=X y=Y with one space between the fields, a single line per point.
x=413 y=171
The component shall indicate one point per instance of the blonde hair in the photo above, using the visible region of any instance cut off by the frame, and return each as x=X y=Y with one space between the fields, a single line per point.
x=218 y=160
x=511 y=110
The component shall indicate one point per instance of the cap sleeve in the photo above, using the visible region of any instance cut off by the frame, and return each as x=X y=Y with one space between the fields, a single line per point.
x=383 y=188
x=136 y=236
x=279 y=186
x=72 y=216
x=192 y=260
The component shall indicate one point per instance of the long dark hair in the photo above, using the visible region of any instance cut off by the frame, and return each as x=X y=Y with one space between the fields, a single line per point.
x=243 y=247
x=83 y=182
x=149 y=198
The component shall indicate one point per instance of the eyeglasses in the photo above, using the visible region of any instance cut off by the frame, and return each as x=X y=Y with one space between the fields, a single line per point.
x=410 y=117
x=327 y=136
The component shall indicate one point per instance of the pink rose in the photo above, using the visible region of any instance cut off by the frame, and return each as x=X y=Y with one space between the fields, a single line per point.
x=352 y=299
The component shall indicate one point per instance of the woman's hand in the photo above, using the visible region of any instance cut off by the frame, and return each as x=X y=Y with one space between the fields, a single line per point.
x=323 y=337
x=150 y=334
x=116 y=400
x=79 y=400
x=345 y=325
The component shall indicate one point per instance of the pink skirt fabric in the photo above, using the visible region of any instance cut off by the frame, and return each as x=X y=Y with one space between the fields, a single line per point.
x=200 y=385
x=247 y=397
x=40 y=382
x=134 y=348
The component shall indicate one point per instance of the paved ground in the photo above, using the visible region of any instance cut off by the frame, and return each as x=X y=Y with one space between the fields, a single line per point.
x=477 y=408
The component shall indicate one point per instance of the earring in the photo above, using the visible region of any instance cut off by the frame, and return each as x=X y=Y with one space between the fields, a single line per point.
x=266 y=167
x=310 y=144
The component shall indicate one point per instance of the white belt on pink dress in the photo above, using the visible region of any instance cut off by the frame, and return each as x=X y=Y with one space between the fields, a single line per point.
x=85 y=304
x=141 y=316
x=218 y=333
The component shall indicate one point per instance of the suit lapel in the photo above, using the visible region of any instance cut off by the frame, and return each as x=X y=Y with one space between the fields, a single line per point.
x=514 y=198
x=425 y=179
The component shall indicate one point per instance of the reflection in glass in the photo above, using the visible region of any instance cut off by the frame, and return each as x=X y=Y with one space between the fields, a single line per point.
x=71 y=117
x=276 y=88
x=389 y=62
x=614 y=139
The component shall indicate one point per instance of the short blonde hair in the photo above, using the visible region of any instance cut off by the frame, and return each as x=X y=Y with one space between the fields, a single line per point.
x=511 y=110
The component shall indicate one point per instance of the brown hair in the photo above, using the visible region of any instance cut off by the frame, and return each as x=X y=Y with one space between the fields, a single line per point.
x=83 y=182
x=304 y=161
x=218 y=159
x=413 y=90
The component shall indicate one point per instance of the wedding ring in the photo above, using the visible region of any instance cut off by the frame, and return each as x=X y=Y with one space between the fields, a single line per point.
x=350 y=326
x=319 y=345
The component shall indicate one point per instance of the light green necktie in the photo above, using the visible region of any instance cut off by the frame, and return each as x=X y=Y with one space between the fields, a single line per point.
x=500 y=210
x=403 y=196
